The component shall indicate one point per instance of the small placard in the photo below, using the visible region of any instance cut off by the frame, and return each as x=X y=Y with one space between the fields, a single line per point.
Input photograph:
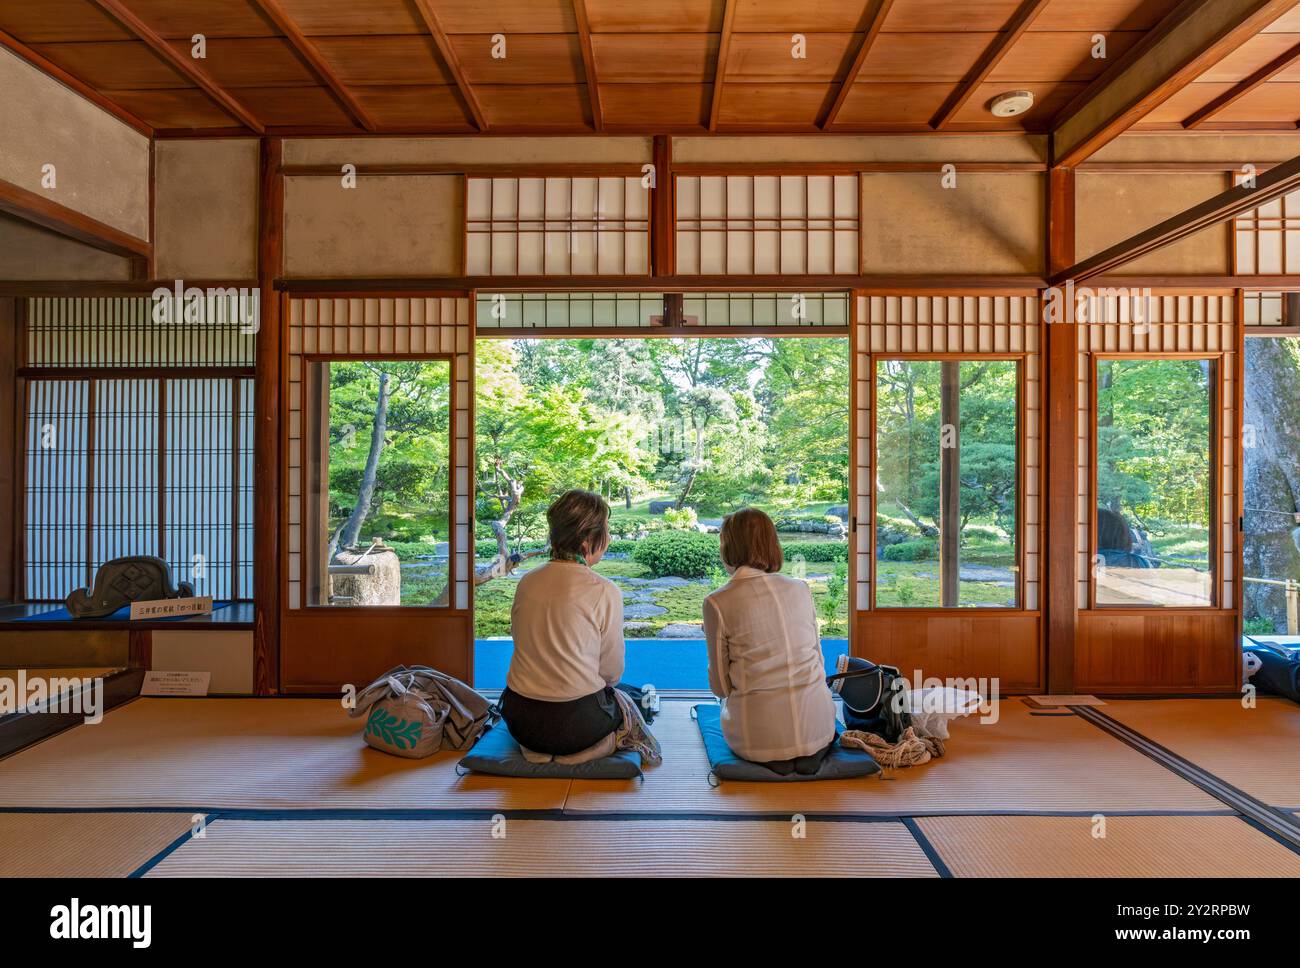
x=171 y=608
x=175 y=684
x=1051 y=701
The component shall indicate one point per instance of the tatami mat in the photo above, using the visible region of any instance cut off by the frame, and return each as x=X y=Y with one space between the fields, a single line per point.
x=84 y=844
x=246 y=753
x=1131 y=847
x=1256 y=749
x=547 y=848
x=1021 y=764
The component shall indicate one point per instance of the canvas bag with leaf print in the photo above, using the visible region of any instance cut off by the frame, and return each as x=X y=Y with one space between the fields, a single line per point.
x=416 y=711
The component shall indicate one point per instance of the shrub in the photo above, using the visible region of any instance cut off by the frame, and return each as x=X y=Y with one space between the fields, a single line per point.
x=686 y=554
x=926 y=550
x=1259 y=626
x=681 y=519
x=815 y=550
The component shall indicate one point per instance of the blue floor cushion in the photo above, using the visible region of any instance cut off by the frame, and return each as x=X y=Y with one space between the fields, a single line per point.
x=498 y=753
x=840 y=764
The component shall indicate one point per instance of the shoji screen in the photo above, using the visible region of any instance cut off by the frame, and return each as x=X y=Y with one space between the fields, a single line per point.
x=382 y=327
x=580 y=226
x=1267 y=239
x=767 y=224
x=1161 y=324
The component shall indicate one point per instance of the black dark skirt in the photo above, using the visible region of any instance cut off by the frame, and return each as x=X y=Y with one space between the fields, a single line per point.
x=560 y=728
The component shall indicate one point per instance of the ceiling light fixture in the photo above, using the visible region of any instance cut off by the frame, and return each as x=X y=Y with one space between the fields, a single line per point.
x=1011 y=103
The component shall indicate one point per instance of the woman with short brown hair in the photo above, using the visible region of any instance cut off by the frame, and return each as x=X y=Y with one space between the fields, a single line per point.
x=567 y=624
x=765 y=657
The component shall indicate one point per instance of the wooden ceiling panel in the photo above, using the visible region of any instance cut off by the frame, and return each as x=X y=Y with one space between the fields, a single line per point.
x=1254 y=54
x=625 y=58
x=1102 y=15
x=870 y=104
x=768 y=57
x=923 y=57
x=295 y=107
x=57 y=21
x=330 y=17
x=1049 y=98
x=777 y=16
x=253 y=62
x=1288 y=23
x=434 y=107
x=950 y=16
x=211 y=18
x=767 y=105
x=397 y=60
x=647 y=106
x=663 y=16
x=1184 y=103
x=530 y=59
x=1272 y=102
x=1061 y=56
x=506 y=16
x=114 y=64
x=181 y=108
x=530 y=106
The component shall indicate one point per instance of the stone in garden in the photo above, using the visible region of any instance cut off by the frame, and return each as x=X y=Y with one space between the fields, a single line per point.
x=670 y=581
x=840 y=511
x=681 y=630
x=659 y=507
x=643 y=610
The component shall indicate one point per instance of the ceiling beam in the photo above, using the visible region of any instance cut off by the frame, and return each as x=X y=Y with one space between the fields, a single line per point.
x=1025 y=15
x=186 y=66
x=430 y=18
x=875 y=19
x=47 y=66
x=724 y=47
x=310 y=54
x=1277 y=181
x=1244 y=87
x=38 y=210
x=1195 y=36
x=589 y=64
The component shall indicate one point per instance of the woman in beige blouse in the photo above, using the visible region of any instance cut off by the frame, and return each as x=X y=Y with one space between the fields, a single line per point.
x=765 y=658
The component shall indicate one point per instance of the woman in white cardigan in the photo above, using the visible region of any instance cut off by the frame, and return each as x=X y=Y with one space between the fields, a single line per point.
x=765 y=659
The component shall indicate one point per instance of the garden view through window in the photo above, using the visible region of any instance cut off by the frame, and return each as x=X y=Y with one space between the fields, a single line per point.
x=947 y=507
x=1155 y=482
x=381 y=496
x=675 y=434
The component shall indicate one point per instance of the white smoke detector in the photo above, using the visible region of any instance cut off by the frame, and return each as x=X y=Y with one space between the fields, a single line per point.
x=1011 y=103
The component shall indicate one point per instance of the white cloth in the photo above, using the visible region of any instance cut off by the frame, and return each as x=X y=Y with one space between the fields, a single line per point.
x=567 y=623
x=765 y=664
x=933 y=707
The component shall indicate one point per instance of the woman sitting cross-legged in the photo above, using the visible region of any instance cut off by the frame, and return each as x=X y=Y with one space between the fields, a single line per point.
x=765 y=659
x=567 y=624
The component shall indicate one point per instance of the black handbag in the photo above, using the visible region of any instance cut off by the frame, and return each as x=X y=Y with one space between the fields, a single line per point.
x=874 y=697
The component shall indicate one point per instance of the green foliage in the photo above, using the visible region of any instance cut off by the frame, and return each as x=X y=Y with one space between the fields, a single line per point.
x=924 y=550
x=686 y=554
x=682 y=519
x=836 y=596
x=1258 y=626
x=815 y=550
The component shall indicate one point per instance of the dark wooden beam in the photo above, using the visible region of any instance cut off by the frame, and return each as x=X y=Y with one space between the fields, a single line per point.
x=1025 y=15
x=310 y=54
x=10 y=455
x=875 y=19
x=1274 y=183
x=458 y=285
x=472 y=106
x=39 y=210
x=1244 y=87
x=589 y=64
x=663 y=210
x=719 y=69
x=267 y=516
x=1196 y=35
x=1059 y=460
x=47 y=66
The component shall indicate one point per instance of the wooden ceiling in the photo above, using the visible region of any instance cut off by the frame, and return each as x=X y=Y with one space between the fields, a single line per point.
x=623 y=66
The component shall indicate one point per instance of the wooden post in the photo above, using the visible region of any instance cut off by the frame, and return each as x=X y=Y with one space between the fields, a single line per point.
x=950 y=483
x=1060 y=369
x=663 y=211
x=11 y=461
x=266 y=428
x=1293 y=608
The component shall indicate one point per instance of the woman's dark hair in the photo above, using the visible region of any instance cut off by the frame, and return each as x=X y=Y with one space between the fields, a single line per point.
x=748 y=539
x=1113 y=532
x=577 y=518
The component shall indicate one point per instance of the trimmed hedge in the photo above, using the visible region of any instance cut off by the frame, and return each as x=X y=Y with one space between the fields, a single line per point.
x=816 y=550
x=924 y=550
x=685 y=554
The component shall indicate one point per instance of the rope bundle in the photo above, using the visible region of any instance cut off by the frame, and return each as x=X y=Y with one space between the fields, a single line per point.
x=912 y=749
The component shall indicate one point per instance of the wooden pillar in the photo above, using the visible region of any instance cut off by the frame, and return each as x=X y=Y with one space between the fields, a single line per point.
x=663 y=210
x=266 y=427
x=950 y=483
x=11 y=461
x=1060 y=368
